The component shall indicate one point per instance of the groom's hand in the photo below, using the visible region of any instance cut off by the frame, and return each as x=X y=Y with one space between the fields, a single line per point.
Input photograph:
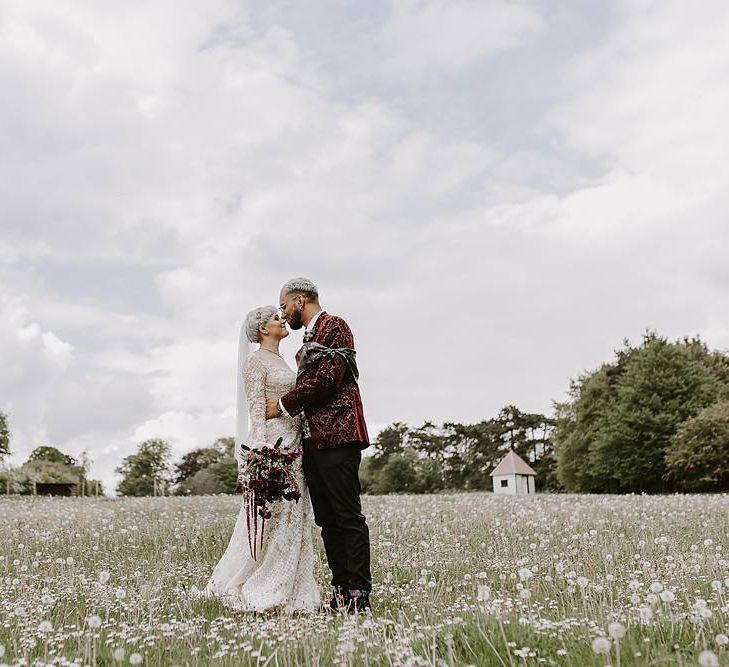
x=272 y=409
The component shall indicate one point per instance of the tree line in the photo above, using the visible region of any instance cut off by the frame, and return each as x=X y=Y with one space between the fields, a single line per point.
x=653 y=419
x=45 y=465
x=202 y=471
x=455 y=457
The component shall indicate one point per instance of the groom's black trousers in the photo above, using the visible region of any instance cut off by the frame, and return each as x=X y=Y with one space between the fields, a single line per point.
x=332 y=475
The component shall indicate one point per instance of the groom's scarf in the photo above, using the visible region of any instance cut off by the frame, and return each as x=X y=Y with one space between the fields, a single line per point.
x=312 y=352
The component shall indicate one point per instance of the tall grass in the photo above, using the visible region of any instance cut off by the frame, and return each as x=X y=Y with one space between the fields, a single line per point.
x=459 y=579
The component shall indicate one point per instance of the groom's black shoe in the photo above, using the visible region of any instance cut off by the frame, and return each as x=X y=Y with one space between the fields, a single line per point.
x=359 y=601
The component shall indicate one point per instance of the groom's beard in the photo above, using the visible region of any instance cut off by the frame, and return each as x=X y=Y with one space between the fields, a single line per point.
x=295 y=322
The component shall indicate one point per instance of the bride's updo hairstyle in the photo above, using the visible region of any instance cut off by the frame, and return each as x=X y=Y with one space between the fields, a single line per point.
x=255 y=319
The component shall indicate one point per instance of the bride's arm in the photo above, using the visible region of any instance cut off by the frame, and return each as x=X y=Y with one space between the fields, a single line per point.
x=255 y=381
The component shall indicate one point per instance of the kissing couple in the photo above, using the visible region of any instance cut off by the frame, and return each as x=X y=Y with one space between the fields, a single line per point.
x=318 y=409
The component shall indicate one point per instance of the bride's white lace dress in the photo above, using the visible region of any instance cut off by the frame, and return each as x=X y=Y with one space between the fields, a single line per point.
x=282 y=576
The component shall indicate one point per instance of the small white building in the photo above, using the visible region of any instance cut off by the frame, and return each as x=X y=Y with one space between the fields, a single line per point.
x=514 y=476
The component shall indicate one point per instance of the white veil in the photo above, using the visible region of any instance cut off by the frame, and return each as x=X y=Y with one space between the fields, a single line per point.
x=241 y=403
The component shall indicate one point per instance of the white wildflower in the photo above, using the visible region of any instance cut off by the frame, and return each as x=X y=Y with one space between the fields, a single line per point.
x=645 y=613
x=601 y=645
x=616 y=630
x=346 y=647
x=708 y=659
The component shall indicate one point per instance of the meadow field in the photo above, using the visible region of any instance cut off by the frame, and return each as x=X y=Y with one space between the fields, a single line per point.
x=462 y=579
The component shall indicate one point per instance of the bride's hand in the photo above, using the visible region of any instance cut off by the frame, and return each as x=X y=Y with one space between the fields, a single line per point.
x=272 y=409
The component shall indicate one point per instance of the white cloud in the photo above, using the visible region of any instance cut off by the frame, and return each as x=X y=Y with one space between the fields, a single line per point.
x=654 y=97
x=424 y=39
x=185 y=431
x=202 y=155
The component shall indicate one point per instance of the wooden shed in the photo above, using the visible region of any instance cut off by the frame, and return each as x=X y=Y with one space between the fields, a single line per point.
x=56 y=488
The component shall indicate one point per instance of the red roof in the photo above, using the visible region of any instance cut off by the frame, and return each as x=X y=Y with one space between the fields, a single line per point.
x=513 y=464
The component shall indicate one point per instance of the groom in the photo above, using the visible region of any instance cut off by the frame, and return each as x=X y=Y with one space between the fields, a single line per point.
x=335 y=434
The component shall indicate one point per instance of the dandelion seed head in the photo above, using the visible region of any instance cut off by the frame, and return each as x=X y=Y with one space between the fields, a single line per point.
x=645 y=613
x=601 y=645
x=616 y=630
x=708 y=659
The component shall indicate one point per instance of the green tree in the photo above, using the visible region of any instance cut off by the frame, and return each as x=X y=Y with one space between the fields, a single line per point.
x=614 y=431
x=226 y=472
x=662 y=386
x=367 y=475
x=578 y=423
x=194 y=461
x=218 y=463
x=398 y=475
x=204 y=483
x=698 y=454
x=51 y=455
x=40 y=470
x=4 y=436
x=390 y=441
x=147 y=471
x=471 y=451
x=428 y=476
x=226 y=446
x=49 y=465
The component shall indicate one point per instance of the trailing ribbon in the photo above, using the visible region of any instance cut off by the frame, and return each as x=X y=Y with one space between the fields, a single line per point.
x=312 y=352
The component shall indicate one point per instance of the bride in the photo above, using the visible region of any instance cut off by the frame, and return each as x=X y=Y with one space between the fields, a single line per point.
x=281 y=577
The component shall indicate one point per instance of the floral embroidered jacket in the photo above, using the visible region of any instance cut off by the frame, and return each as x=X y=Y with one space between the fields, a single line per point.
x=327 y=393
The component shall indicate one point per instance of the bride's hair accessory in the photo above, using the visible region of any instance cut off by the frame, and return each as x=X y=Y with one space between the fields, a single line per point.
x=255 y=318
x=301 y=284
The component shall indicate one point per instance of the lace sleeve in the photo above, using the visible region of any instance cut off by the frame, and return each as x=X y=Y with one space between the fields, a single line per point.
x=255 y=381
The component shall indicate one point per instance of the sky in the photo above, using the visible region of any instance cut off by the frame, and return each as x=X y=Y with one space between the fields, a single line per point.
x=494 y=194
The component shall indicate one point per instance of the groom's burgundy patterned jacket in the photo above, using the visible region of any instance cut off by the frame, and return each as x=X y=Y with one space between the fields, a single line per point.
x=327 y=393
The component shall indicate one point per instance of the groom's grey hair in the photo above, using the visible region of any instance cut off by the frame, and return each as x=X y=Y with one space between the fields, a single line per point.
x=303 y=286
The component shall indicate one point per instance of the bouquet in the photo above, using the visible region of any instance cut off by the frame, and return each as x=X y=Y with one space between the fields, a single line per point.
x=266 y=476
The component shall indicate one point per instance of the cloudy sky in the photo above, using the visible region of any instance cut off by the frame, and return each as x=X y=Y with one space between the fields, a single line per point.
x=493 y=193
